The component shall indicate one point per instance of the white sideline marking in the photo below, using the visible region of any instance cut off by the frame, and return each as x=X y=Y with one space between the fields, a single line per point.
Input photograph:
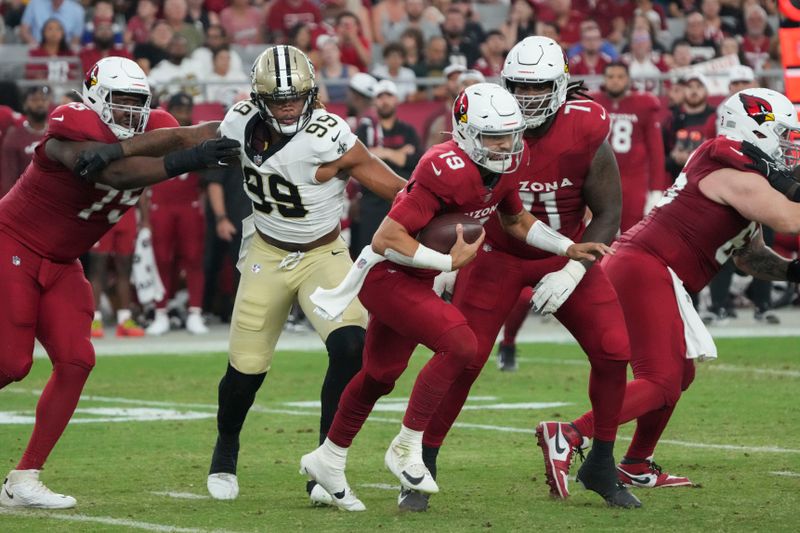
x=785 y=473
x=381 y=486
x=110 y=414
x=181 y=495
x=465 y=425
x=108 y=520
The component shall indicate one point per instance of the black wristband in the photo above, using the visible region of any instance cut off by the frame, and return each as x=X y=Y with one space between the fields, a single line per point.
x=180 y=162
x=793 y=271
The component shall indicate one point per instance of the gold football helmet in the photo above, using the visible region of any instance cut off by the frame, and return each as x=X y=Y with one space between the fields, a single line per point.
x=283 y=73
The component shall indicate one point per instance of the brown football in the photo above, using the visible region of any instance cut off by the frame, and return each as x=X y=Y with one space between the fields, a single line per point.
x=440 y=233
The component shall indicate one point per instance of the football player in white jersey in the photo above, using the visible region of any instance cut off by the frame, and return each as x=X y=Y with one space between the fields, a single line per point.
x=296 y=158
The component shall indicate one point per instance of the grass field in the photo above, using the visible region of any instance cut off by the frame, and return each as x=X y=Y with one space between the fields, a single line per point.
x=737 y=425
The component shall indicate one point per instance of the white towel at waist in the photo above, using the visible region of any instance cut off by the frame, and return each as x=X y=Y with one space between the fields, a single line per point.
x=248 y=230
x=699 y=343
x=331 y=303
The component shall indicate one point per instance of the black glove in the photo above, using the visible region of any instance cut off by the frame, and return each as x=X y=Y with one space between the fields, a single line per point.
x=91 y=162
x=211 y=153
x=780 y=178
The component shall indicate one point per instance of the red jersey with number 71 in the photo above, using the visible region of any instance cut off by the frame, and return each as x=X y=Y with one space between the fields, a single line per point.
x=53 y=212
x=552 y=186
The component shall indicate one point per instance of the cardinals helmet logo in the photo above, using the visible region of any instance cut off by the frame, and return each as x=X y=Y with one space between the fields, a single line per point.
x=757 y=108
x=91 y=77
x=460 y=108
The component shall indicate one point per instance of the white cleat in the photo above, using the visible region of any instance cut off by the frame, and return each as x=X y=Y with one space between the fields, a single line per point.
x=332 y=480
x=22 y=488
x=195 y=324
x=159 y=326
x=319 y=497
x=407 y=465
x=223 y=486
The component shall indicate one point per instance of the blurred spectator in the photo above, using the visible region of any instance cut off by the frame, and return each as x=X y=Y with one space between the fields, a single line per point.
x=284 y=15
x=332 y=68
x=333 y=8
x=227 y=86
x=394 y=56
x=155 y=50
x=547 y=29
x=681 y=8
x=435 y=59
x=493 y=54
x=301 y=37
x=359 y=100
x=102 y=45
x=566 y=20
x=389 y=20
x=653 y=12
x=397 y=144
x=178 y=72
x=521 y=22
x=423 y=18
x=20 y=140
x=441 y=126
x=54 y=47
x=703 y=48
x=676 y=92
x=681 y=54
x=639 y=24
x=200 y=17
x=755 y=43
x=716 y=28
x=141 y=24
x=470 y=77
x=414 y=44
x=176 y=219
x=355 y=48
x=460 y=48
x=606 y=48
x=472 y=28
x=103 y=11
x=38 y=12
x=637 y=142
x=175 y=13
x=216 y=39
x=12 y=17
x=591 y=61
x=685 y=129
x=730 y=47
x=644 y=64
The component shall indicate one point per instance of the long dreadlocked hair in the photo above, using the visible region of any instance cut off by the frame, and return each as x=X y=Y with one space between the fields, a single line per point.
x=576 y=90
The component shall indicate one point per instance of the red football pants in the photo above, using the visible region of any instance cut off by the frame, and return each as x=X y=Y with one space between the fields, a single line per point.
x=658 y=350
x=404 y=312
x=53 y=303
x=487 y=289
x=178 y=240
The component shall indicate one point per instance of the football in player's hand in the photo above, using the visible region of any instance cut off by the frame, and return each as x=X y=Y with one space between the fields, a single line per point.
x=440 y=233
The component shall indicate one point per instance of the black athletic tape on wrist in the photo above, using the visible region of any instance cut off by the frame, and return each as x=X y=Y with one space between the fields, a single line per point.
x=793 y=271
x=180 y=162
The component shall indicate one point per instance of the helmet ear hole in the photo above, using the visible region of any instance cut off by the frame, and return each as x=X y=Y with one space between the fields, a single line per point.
x=759 y=134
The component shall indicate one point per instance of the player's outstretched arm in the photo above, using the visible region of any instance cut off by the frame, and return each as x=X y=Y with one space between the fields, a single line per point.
x=760 y=261
x=370 y=171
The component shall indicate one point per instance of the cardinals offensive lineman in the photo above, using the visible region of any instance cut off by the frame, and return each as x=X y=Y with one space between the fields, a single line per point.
x=637 y=143
x=52 y=216
x=477 y=173
x=572 y=167
x=711 y=213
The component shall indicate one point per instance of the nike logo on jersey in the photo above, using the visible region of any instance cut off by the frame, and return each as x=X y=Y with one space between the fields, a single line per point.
x=337 y=252
x=413 y=480
x=337 y=136
x=436 y=170
x=603 y=111
x=59 y=119
x=559 y=448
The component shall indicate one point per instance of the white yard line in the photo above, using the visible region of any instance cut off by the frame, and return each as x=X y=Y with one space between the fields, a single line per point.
x=181 y=495
x=107 y=520
x=786 y=473
x=380 y=486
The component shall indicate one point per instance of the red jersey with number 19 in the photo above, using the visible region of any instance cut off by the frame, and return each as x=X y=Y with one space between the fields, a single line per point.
x=55 y=213
x=690 y=233
x=552 y=186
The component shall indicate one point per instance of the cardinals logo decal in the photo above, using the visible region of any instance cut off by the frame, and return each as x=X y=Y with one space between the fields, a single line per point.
x=460 y=108
x=91 y=77
x=757 y=108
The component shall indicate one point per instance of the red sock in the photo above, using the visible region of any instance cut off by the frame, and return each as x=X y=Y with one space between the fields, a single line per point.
x=649 y=428
x=55 y=408
x=449 y=408
x=517 y=316
x=355 y=405
x=607 y=392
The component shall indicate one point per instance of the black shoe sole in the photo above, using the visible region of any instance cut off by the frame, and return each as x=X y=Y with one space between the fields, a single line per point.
x=607 y=485
x=414 y=502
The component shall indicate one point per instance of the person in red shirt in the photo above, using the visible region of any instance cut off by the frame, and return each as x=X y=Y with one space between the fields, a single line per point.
x=355 y=48
x=52 y=46
x=637 y=142
x=712 y=212
x=755 y=43
x=566 y=20
x=286 y=14
x=102 y=45
x=21 y=140
x=591 y=61
x=477 y=174
x=178 y=225
x=52 y=216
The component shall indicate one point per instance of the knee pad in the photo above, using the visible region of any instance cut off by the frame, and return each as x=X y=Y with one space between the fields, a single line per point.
x=459 y=342
x=346 y=344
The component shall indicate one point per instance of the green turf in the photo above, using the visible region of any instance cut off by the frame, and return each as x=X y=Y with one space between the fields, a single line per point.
x=490 y=480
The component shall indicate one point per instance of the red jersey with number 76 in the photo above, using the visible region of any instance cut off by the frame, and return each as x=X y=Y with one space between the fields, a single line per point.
x=53 y=212
x=552 y=186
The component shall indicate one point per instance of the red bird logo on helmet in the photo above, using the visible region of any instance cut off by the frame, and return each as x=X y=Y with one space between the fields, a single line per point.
x=460 y=107
x=91 y=77
x=757 y=108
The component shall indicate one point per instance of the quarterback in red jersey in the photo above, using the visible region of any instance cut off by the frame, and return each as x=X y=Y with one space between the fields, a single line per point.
x=711 y=213
x=572 y=167
x=52 y=216
x=636 y=141
x=476 y=174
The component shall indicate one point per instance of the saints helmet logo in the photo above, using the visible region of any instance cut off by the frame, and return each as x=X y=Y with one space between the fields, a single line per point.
x=757 y=108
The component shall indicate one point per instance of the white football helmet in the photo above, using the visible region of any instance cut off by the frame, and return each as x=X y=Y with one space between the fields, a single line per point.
x=114 y=75
x=481 y=112
x=765 y=118
x=537 y=61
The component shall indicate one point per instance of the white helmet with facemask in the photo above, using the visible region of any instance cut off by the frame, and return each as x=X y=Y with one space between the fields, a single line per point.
x=110 y=77
x=765 y=118
x=537 y=61
x=484 y=111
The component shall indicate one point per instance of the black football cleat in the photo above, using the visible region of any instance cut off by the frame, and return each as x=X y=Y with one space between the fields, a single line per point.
x=603 y=479
x=507 y=357
x=412 y=500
